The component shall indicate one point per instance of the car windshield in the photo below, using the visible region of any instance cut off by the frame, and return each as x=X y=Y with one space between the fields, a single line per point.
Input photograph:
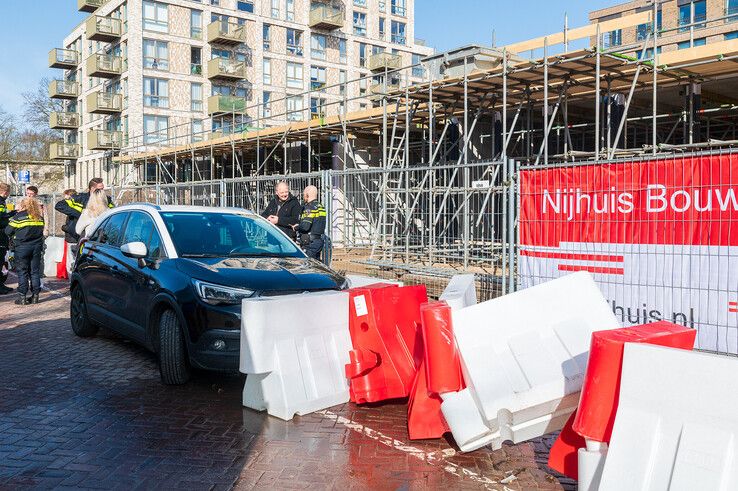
x=206 y=234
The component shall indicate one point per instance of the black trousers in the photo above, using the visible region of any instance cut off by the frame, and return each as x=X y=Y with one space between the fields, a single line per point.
x=3 y=254
x=314 y=248
x=28 y=267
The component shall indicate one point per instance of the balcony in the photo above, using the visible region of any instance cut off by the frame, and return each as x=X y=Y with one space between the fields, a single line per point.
x=325 y=17
x=226 y=33
x=63 y=58
x=104 y=103
x=104 y=66
x=106 y=29
x=64 y=121
x=378 y=89
x=89 y=5
x=104 y=139
x=223 y=68
x=63 y=151
x=384 y=61
x=223 y=104
x=63 y=89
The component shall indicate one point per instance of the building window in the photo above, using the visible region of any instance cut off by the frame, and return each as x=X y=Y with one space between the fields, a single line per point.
x=317 y=78
x=697 y=42
x=245 y=6
x=294 y=75
x=360 y=3
x=382 y=6
x=317 y=107
x=267 y=35
x=294 y=108
x=155 y=129
x=197 y=131
x=612 y=38
x=317 y=46
x=267 y=104
x=398 y=7
x=362 y=54
x=196 y=97
x=731 y=9
x=398 y=32
x=342 y=57
x=643 y=30
x=290 y=10
x=294 y=42
x=196 y=24
x=156 y=92
x=692 y=13
x=731 y=35
x=195 y=60
x=156 y=54
x=155 y=17
x=362 y=86
x=418 y=70
x=267 y=71
x=275 y=9
x=342 y=82
x=360 y=23
x=382 y=21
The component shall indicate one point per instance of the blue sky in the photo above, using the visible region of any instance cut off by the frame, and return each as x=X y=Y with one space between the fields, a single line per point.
x=30 y=28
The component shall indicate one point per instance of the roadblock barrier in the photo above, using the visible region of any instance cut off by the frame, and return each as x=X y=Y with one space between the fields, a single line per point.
x=53 y=254
x=384 y=322
x=460 y=292
x=598 y=402
x=676 y=425
x=524 y=356
x=359 y=281
x=294 y=349
x=439 y=373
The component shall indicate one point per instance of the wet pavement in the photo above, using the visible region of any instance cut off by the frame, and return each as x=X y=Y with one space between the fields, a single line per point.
x=92 y=413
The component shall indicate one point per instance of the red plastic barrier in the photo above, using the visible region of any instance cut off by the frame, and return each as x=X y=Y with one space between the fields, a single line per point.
x=61 y=268
x=384 y=322
x=440 y=372
x=598 y=402
x=563 y=454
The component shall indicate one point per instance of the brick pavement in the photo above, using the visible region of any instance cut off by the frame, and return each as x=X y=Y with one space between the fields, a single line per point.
x=91 y=413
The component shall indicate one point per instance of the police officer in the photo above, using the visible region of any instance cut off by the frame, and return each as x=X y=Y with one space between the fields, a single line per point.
x=73 y=205
x=27 y=230
x=311 y=227
x=5 y=215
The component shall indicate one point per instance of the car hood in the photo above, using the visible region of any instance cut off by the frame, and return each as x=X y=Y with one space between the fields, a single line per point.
x=263 y=274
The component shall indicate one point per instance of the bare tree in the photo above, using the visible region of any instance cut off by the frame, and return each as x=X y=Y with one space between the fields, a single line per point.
x=8 y=134
x=39 y=106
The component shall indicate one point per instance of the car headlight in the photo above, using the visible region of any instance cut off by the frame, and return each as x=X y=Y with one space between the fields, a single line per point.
x=219 y=295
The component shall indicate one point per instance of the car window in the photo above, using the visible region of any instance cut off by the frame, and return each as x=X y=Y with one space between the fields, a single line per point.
x=95 y=237
x=112 y=232
x=156 y=251
x=139 y=228
x=226 y=235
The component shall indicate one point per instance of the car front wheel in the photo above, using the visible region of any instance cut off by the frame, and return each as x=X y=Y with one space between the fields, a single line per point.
x=81 y=323
x=173 y=364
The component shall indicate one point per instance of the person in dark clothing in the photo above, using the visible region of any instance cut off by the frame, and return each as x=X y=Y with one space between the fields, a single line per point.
x=284 y=210
x=6 y=213
x=27 y=230
x=312 y=224
x=70 y=235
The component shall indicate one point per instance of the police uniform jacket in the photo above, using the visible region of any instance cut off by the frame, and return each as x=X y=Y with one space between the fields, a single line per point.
x=312 y=222
x=25 y=229
x=5 y=216
x=72 y=207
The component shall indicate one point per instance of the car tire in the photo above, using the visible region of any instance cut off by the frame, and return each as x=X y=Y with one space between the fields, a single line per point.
x=173 y=363
x=81 y=323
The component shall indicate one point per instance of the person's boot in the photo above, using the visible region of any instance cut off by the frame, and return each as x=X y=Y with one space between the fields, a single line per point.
x=21 y=300
x=4 y=290
x=34 y=299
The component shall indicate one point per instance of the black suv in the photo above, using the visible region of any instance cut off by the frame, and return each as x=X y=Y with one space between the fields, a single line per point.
x=172 y=278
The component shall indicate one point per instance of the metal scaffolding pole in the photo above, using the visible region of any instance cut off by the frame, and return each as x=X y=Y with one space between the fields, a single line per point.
x=598 y=97
x=654 y=108
x=466 y=161
x=545 y=101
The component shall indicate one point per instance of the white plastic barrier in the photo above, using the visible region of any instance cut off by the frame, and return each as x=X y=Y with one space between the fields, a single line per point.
x=358 y=281
x=54 y=254
x=461 y=292
x=677 y=422
x=294 y=349
x=524 y=357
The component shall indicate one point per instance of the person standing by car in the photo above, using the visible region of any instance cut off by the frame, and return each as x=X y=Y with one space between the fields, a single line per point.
x=97 y=204
x=75 y=204
x=284 y=210
x=312 y=224
x=70 y=234
x=27 y=231
x=6 y=213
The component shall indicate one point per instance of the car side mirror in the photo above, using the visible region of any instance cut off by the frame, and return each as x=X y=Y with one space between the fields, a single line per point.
x=135 y=250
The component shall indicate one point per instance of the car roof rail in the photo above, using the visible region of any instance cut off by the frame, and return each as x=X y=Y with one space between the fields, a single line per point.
x=143 y=203
x=240 y=210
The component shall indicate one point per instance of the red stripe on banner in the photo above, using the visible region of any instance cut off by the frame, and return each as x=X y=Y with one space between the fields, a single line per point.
x=573 y=256
x=591 y=269
x=733 y=304
x=735 y=311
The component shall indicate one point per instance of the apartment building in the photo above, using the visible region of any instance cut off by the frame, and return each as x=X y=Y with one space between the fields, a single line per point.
x=138 y=74
x=681 y=24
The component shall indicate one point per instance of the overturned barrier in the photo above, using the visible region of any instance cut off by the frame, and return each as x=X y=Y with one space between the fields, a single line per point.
x=294 y=349
x=461 y=292
x=676 y=425
x=524 y=357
